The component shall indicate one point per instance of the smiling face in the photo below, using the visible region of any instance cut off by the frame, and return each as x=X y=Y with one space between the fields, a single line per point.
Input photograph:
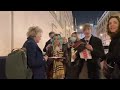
x=113 y=25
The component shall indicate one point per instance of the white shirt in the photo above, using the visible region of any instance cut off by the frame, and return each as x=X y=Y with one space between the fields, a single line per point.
x=87 y=51
x=87 y=39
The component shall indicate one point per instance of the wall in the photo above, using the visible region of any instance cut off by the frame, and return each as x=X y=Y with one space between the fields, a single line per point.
x=23 y=20
x=14 y=26
x=5 y=32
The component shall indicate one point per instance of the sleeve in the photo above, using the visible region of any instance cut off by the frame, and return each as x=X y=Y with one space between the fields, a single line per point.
x=31 y=55
x=114 y=53
x=98 y=50
x=44 y=49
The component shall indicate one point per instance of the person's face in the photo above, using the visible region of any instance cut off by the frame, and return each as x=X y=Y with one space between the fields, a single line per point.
x=56 y=42
x=64 y=40
x=113 y=25
x=52 y=35
x=74 y=35
x=38 y=37
x=87 y=31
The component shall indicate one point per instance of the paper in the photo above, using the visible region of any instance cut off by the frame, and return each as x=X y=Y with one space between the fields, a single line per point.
x=85 y=54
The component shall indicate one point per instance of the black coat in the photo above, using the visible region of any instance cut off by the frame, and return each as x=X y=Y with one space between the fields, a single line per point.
x=35 y=59
x=98 y=50
x=114 y=50
x=47 y=43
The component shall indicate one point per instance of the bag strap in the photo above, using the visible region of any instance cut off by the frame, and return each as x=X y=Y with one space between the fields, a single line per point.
x=21 y=49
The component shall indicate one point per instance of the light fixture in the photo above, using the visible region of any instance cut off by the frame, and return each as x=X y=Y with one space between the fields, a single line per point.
x=72 y=26
x=101 y=34
x=81 y=27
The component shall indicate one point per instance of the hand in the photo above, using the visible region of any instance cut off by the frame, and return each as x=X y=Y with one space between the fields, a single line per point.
x=105 y=65
x=102 y=65
x=89 y=47
x=74 y=56
x=46 y=57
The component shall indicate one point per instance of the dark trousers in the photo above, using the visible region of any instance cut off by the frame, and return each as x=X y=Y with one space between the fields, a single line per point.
x=71 y=71
x=92 y=68
x=74 y=70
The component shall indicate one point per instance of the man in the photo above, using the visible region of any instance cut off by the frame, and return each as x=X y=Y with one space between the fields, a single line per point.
x=48 y=43
x=91 y=54
x=74 y=45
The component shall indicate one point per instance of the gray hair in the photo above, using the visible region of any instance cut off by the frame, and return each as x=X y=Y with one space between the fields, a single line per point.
x=87 y=25
x=33 y=31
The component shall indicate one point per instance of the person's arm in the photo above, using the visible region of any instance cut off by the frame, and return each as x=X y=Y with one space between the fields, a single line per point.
x=44 y=49
x=98 y=50
x=31 y=55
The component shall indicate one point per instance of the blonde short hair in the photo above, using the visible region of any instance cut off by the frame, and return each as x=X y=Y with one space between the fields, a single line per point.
x=33 y=31
x=86 y=25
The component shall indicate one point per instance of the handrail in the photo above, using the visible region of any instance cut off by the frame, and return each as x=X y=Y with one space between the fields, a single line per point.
x=101 y=18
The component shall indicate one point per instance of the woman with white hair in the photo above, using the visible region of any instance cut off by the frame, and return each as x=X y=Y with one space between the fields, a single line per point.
x=35 y=59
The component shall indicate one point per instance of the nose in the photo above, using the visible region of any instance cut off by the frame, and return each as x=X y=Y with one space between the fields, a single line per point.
x=112 y=24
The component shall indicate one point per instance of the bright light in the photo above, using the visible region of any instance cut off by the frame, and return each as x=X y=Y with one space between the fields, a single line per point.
x=101 y=34
x=91 y=25
x=81 y=27
x=72 y=26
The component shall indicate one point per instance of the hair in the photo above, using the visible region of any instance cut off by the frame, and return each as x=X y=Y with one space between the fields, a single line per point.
x=86 y=25
x=33 y=31
x=108 y=30
x=74 y=33
x=59 y=37
x=51 y=33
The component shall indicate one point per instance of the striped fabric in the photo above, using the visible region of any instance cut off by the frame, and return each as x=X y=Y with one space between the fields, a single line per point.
x=58 y=70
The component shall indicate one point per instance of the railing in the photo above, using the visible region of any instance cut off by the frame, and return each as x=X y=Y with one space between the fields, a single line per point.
x=101 y=18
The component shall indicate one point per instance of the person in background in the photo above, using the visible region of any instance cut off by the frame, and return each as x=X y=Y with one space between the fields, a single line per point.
x=56 y=69
x=35 y=59
x=74 y=45
x=49 y=42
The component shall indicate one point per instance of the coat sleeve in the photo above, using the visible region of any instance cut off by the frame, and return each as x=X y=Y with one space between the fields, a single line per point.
x=31 y=55
x=114 y=52
x=98 y=50
x=44 y=49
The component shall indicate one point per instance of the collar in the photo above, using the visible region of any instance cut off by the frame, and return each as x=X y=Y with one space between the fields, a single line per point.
x=88 y=38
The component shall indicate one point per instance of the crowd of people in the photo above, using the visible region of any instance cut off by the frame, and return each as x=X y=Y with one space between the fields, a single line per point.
x=74 y=58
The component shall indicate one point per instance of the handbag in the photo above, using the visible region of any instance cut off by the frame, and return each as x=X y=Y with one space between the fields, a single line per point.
x=111 y=71
x=108 y=69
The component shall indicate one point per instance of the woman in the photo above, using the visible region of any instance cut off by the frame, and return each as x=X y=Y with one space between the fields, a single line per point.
x=55 y=66
x=113 y=56
x=35 y=58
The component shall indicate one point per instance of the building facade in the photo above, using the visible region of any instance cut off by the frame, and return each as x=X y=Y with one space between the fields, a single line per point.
x=14 y=26
x=101 y=29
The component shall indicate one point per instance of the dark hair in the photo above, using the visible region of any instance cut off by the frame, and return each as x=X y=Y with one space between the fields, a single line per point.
x=108 y=30
x=74 y=33
x=51 y=33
